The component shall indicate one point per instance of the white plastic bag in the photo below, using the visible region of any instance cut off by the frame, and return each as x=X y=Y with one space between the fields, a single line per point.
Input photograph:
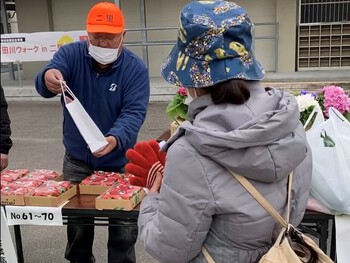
x=315 y=119
x=86 y=126
x=330 y=144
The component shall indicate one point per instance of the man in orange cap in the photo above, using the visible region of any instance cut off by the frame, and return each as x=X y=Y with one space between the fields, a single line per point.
x=112 y=84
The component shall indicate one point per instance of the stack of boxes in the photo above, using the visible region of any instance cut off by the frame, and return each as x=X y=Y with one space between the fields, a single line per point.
x=43 y=187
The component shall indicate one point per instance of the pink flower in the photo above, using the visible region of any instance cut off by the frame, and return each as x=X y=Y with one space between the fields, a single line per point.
x=182 y=91
x=335 y=96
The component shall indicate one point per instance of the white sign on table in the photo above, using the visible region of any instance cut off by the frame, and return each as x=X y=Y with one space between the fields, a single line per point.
x=8 y=253
x=34 y=215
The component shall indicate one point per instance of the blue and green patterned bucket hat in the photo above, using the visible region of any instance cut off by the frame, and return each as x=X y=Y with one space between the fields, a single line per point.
x=214 y=44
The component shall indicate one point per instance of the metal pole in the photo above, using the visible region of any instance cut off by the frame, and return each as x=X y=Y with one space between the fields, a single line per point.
x=144 y=32
x=6 y=30
x=253 y=38
x=276 y=46
x=19 y=74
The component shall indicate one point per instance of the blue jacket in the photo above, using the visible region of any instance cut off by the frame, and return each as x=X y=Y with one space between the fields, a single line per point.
x=117 y=101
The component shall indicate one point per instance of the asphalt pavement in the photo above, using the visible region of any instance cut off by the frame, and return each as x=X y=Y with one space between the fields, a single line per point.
x=37 y=144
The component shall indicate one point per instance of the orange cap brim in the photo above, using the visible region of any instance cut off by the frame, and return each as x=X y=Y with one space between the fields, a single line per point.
x=104 y=29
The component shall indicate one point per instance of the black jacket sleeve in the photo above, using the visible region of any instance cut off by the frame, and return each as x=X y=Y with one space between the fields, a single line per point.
x=5 y=129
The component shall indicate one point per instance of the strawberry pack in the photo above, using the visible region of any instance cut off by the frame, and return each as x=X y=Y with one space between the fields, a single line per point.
x=120 y=197
x=121 y=191
x=52 y=188
x=21 y=185
x=100 y=181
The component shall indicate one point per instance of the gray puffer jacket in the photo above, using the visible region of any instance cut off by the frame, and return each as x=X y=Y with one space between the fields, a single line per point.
x=201 y=203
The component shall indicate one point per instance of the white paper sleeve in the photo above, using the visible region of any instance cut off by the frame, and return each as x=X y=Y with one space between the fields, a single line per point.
x=86 y=126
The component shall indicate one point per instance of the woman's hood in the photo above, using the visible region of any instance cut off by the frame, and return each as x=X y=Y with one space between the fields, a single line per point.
x=262 y=139
x=219 y=125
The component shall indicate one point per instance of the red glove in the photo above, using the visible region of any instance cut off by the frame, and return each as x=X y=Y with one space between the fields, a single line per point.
x=146 y=160
x=161 y=155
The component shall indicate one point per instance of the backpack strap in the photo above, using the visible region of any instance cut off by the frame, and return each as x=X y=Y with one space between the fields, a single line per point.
x=207 y=255
x=262 y=201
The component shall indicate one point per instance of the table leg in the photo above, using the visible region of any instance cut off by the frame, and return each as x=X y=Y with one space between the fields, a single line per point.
x=333 y=254
x=323 y=230
x=19 y=247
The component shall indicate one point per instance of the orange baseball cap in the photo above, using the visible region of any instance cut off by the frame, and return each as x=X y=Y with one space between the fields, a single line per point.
x=105 y=18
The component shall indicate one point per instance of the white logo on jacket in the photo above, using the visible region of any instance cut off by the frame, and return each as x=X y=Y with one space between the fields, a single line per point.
x=113 y=87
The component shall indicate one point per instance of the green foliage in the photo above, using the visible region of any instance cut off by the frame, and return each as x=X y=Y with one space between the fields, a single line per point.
x=305 y=114
x=177 y=107
x=320 y=100
x=347 y=115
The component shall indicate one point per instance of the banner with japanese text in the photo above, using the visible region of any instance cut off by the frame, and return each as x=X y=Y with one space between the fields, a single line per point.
x=38 y=46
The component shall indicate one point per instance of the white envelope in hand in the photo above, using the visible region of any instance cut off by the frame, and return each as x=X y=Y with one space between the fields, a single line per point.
x=86 y=126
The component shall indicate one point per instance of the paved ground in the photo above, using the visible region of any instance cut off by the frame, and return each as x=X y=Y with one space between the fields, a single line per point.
x=37 y=135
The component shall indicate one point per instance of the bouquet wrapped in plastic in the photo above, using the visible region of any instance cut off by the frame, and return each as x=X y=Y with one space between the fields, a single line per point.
x=326 y=116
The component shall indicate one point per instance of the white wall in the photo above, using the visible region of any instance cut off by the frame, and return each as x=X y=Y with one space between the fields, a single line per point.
x=263 y=11
x=165 y=14
x=71 y=15
x=159 y=13
x=287 y=16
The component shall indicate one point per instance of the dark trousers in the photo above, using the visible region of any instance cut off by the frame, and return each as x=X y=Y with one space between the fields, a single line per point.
x=80 y=231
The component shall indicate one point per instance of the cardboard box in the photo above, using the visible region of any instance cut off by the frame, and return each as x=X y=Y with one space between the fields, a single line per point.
x=92 y=189
x=12 y=200
x=31 y=200
x=19 y=199
x=100 y=181
x=10 y=197
x=120 y=204
x=43 y=175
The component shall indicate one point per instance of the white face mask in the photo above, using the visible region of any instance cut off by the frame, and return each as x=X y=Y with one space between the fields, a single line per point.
x=103 y=55
x=189 y=97
x=188 y=100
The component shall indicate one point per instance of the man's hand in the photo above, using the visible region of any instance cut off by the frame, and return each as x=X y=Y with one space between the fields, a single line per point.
x=112 y=143
x=4 y=161
x=52 y=79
